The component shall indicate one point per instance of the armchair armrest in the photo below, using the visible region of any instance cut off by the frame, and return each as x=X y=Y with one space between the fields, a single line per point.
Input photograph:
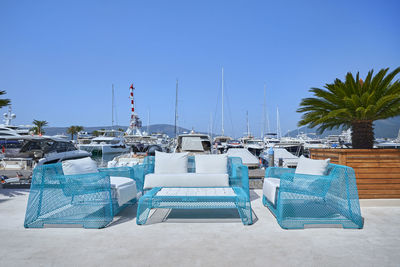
x=316 y=185
x=81 y=184
x=118 y=171
x=280 y=173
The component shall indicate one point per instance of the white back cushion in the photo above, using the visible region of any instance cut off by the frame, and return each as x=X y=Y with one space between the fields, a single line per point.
x=312 y=166
x=211 y=163
x=79 y=166
x=152 y=180
x=170 y=162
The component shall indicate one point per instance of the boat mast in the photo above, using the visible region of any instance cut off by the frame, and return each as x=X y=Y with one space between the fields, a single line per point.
x=112 y=108
x=176 y=107
x=211 y=126
x=148 y=122
x=263 y=134
x=278 y=124
x=248 y=126
x=222 y=127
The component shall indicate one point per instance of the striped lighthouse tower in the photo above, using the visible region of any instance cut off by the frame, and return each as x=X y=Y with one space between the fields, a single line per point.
x=133 y=115
x=135 y=122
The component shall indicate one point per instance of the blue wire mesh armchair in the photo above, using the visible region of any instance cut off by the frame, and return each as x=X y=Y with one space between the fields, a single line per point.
x=84 y=199
x=302 y=199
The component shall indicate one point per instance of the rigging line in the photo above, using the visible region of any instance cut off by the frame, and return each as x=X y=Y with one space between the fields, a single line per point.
x=229 y=111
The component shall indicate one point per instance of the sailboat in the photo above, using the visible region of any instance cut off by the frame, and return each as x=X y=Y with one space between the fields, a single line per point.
x=221 y=141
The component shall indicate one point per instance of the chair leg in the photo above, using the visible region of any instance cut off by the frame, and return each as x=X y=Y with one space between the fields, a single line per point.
x=244 y=210
x=143 y=210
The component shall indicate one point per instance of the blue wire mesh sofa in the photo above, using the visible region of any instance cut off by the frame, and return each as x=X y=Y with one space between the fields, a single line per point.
x=302 y=199
x=239 y=196
x=89 y=200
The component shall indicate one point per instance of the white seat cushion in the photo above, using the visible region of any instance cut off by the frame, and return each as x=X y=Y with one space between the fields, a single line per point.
x=186 y=180
x=226 y=191
x=123 y=189
x=79 y=166
x=269 y=189
x=312 y=166
x=170 y=162
x=211 y=163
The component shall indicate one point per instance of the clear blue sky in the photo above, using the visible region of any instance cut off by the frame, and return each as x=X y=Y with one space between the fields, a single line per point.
x=58 y=59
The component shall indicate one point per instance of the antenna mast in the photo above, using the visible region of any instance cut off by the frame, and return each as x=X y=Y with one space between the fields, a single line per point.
x=176 y=107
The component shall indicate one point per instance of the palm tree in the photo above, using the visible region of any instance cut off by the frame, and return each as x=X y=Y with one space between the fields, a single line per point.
x=38 y=129
x=354 y=104
x=95 y=133
x=74 y=130
x=79 y=128
x=4 y=102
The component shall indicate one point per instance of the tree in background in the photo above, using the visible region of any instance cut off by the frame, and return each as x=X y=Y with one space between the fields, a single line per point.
x=38 y=129
x=75 y=129
x=4 y=102
x=95 y=133
x=354 y=104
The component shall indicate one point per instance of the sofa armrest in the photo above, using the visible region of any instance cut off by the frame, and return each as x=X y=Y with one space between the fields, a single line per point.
x=239 y=177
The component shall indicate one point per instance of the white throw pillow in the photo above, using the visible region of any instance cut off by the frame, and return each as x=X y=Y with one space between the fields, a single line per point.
x=79 y=166
x=170 y=162
x=312 y=166
x=211 y=163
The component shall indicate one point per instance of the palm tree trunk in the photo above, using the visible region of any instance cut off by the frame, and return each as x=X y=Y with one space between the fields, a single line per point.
x=362 y=134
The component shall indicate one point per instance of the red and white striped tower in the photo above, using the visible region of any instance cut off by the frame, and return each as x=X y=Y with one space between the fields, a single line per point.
x=135 y=122
x=133 y=115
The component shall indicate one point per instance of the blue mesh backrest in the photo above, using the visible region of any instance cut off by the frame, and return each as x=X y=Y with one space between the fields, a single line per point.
x=148 y=164
x=191 y=164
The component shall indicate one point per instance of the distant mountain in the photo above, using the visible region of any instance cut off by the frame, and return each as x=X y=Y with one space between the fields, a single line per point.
x=155 y=128
x=388 y=128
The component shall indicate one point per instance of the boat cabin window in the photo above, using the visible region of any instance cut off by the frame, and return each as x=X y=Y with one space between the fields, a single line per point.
x=64 y=147
x=192 y=144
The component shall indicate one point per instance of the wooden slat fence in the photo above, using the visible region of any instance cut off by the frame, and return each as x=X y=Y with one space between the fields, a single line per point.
x=377 y=170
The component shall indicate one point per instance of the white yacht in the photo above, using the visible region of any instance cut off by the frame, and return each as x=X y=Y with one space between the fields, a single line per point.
x=194 y=143
x=41 y=150
x=221 y=143
x=255 y=146
x=111 y=141
x=7 y=130
x=12 y=136
x=395 y=143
